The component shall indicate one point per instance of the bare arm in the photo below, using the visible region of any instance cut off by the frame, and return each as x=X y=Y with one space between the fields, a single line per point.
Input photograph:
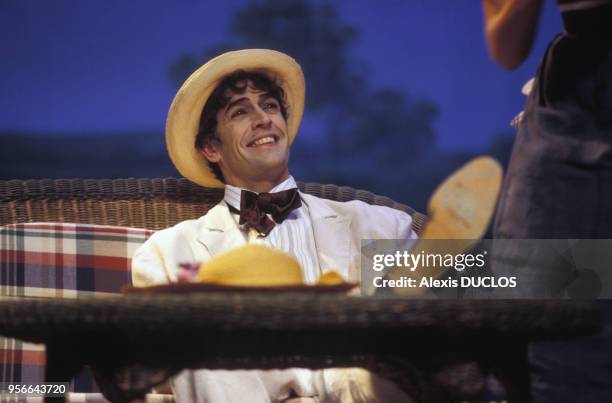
x=510 y=27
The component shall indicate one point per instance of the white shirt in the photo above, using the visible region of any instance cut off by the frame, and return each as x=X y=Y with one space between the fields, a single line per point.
x=293 y=236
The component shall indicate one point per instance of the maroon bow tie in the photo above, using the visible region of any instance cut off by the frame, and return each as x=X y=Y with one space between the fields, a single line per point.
x=255 y=207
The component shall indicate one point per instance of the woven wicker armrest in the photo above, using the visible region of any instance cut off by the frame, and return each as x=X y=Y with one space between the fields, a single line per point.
x=142 y=203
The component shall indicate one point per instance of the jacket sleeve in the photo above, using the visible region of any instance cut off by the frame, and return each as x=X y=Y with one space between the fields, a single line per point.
x=404 y=226
x=157 y=260
x=148 y=265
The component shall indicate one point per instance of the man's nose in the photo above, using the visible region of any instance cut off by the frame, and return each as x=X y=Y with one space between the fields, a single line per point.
x=261 y=118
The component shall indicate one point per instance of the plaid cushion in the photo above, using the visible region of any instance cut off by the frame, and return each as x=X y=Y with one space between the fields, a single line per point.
x=59 y=260
x=66 y=260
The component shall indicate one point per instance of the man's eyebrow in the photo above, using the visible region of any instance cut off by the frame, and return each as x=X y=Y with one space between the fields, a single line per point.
x=237 y=101
x=265 y=95
x=261 y=97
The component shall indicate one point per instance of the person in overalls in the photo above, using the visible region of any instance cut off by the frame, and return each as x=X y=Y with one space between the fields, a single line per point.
x=559 y=180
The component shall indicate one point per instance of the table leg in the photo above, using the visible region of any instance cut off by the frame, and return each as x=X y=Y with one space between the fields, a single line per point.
x=514 y=374
x=61 y=366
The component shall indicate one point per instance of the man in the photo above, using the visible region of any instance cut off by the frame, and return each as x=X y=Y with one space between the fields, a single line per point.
x=231 y=125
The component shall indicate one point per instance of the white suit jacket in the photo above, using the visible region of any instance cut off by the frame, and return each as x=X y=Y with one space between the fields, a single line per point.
x=338 y=230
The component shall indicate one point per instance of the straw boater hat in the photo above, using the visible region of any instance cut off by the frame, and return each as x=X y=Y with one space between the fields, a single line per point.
x=184 y=116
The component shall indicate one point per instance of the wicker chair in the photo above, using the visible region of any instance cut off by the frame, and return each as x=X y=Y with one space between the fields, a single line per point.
x=143 y=203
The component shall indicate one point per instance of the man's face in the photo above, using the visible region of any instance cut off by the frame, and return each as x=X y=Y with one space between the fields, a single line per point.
x=253 y=142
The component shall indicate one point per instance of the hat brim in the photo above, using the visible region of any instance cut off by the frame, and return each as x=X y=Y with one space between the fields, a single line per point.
x=184 y=116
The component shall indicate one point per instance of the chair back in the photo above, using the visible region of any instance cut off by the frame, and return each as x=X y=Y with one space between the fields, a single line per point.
x=142 y=203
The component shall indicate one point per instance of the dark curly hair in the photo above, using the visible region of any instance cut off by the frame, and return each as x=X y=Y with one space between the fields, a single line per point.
x=236 y=83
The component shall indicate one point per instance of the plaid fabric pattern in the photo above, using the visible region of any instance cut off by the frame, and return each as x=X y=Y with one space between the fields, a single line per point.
x=66 y=260
x=63 y=261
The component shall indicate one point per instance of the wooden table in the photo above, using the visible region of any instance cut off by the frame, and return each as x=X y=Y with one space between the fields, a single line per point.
x=436 y=350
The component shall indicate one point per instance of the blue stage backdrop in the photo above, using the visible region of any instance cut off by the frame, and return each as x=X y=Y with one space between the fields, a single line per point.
x=399 y=93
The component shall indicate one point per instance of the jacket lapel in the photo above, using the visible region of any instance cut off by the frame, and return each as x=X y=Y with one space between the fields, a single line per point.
x=332 y=235
x=219 y=232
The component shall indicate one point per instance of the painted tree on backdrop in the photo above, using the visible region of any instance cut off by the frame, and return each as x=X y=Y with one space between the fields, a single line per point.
x=369 y=134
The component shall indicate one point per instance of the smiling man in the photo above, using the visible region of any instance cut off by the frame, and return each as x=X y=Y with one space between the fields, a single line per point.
x=244 y=131
x=231 y=125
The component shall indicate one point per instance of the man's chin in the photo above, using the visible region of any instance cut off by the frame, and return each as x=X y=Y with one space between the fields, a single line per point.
x=270 y=162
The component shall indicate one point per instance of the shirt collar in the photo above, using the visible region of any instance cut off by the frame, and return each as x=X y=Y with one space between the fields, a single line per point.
x=232 y=193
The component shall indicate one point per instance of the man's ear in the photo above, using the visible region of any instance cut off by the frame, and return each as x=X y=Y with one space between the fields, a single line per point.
x=210 y=152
